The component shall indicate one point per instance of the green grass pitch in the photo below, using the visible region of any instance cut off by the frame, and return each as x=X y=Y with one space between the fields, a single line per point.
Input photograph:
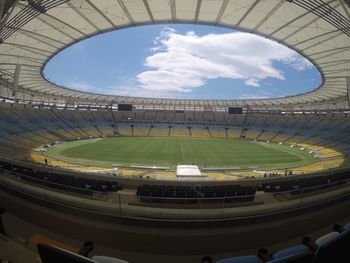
x=171 y=151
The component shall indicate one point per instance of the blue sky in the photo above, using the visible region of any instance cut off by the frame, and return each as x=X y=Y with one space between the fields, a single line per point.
x=183 y=61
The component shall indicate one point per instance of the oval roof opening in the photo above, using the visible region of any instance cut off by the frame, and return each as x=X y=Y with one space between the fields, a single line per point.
x=183 y=61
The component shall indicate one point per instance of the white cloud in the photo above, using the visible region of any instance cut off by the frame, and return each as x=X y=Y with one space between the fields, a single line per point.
x=180 y=63
x=252 y=82
x=300 y=64
x=126 y=88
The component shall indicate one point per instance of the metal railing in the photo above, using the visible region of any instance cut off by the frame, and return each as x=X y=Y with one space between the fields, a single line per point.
x=201 y=208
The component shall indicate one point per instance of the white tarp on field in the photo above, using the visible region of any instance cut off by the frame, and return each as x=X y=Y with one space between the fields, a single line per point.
x=188 y=170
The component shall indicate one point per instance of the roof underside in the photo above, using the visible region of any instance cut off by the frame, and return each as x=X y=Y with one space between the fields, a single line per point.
x=33 y=31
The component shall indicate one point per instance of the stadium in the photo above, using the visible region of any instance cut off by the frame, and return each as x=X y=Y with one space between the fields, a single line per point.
x=90 y=177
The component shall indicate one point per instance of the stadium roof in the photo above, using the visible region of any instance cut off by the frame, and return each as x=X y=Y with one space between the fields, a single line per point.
x=33 y=31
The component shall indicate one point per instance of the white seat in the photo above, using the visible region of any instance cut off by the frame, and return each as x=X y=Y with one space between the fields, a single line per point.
x=326 y=238
x=103 y=259
x=296 y=250
x=242 y=259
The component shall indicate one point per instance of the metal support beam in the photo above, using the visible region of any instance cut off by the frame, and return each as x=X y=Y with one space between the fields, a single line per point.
x=148 y=10
x=126 y=11
x=15 y=80
x=2 y=228
x=198 y=8
x=173 y=9
x=348 y=89
x=2 y=7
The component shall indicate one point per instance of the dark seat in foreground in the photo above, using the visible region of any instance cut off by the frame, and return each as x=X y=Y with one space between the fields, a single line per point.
x=297 y=256
x=49 y=254
x=332 y=247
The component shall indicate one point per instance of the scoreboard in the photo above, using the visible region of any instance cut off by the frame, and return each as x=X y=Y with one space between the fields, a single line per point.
x=124 y=107
x=235 y=110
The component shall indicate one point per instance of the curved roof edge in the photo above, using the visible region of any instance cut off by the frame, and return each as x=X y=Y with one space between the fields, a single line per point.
x=319 y=30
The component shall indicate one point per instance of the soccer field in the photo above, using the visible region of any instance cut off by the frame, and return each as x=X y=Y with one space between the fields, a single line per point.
x=171 y=151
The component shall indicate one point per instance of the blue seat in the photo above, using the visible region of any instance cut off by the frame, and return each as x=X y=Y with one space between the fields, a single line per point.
x=346 y=226
x=49 y=254
x=304 y=257
x=290 y=251
x=242 y=259
x=296 y=254
x=333 y=247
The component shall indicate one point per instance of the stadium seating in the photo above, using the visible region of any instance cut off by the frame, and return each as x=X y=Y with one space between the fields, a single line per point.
x=25 y=130
x=198 y=194
x=331 y=247
x=30 y=127
x=302 y=185
x=50 y=254
x=61 y=182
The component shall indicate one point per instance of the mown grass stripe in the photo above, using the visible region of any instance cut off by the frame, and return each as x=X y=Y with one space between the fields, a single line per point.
x=169 y=151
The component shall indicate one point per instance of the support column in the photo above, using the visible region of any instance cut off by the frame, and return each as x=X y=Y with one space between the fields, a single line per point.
x=2 y=228
x=15 y=80
x=347 y=80
x=2 y=7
